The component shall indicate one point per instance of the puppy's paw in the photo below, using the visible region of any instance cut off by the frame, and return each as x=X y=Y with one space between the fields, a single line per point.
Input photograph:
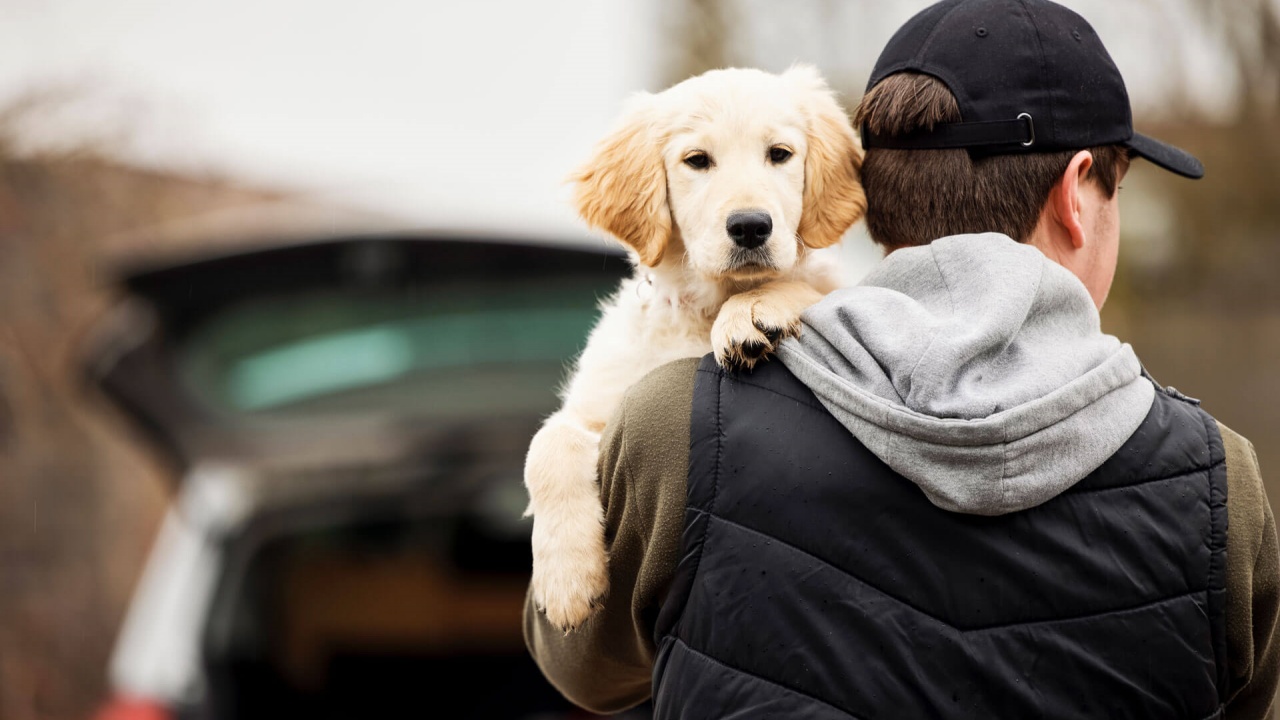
x=570 y=568
x=749 y=327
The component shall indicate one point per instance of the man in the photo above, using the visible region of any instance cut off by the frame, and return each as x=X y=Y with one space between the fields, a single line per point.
x=954 y=496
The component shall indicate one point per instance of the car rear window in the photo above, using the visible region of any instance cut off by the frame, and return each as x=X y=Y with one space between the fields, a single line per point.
x=453 y=349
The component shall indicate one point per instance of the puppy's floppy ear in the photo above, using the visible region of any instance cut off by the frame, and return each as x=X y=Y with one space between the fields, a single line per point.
x=623 y=188
x=833 y=198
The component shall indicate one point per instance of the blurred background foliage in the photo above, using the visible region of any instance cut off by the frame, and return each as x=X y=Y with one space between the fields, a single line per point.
x=1197 y=295
x=79 y=502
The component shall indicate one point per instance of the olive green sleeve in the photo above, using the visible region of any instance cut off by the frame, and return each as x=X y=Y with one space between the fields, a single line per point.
x=1253 y=585
x=606 y=664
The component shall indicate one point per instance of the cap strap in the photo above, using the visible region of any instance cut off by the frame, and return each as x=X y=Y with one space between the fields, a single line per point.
x=1021 y=131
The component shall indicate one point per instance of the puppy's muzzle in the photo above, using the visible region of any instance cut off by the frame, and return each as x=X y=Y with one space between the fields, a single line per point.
x=749 y=229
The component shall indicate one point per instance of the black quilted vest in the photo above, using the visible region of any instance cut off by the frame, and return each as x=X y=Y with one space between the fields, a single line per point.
x=817 y=583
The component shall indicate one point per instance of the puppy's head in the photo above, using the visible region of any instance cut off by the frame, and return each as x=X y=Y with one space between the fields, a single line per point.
x=743 y=166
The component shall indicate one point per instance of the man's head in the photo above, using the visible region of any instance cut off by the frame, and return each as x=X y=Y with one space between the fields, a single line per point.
x=1003 y=116
x=1064 y=202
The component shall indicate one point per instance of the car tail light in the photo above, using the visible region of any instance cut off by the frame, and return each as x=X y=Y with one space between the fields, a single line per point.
x=127 y=708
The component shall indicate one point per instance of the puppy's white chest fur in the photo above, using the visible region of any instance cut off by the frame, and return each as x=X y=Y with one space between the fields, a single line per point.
x=649 y=322
x=672 y=319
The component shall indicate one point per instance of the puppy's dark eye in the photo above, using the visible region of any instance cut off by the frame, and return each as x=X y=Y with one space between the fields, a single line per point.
x=698 y=160
x=779 y=155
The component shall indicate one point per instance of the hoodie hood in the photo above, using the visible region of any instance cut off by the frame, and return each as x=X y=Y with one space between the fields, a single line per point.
x=976 y=368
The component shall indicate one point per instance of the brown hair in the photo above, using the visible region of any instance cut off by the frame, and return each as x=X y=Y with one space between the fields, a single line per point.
x=917 y=196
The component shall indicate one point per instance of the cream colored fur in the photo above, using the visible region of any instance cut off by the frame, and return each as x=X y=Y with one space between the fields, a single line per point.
x=694 y=291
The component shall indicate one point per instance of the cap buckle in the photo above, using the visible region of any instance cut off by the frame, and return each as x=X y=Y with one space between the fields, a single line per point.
x=1031 y=128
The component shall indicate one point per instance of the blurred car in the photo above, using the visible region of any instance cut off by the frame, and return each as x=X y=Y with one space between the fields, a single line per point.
x=348 y=420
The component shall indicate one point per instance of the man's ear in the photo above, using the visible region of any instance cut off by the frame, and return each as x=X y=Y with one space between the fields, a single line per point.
x=622 y=189
x=1066 y=197
x=833 y=198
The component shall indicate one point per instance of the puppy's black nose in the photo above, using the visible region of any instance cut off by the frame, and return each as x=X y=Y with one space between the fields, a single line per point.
x=749 y=228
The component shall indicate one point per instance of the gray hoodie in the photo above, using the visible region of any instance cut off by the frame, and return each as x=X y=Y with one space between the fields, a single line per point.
x=976 y=368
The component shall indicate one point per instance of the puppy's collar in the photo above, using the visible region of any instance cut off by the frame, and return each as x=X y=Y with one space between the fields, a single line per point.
x=645 y=289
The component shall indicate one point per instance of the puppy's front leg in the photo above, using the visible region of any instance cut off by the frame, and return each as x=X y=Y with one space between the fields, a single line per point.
x=570 y=564
x=751 y=323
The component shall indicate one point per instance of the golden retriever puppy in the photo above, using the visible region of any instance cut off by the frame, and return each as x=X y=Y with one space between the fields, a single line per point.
x=721 y=187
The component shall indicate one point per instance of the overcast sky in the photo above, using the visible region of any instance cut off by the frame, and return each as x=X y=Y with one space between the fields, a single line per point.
x=467 y=112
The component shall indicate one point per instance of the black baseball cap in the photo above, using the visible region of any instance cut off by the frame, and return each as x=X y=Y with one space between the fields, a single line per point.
x=1029 y=75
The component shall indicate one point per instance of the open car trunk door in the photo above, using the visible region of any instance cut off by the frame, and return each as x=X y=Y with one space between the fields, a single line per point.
x=330 y=345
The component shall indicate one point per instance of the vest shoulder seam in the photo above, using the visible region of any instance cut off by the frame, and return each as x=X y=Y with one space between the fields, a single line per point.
x=715 y=483
x=720 y=374
x=1216 y=582
x=1146 y=481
